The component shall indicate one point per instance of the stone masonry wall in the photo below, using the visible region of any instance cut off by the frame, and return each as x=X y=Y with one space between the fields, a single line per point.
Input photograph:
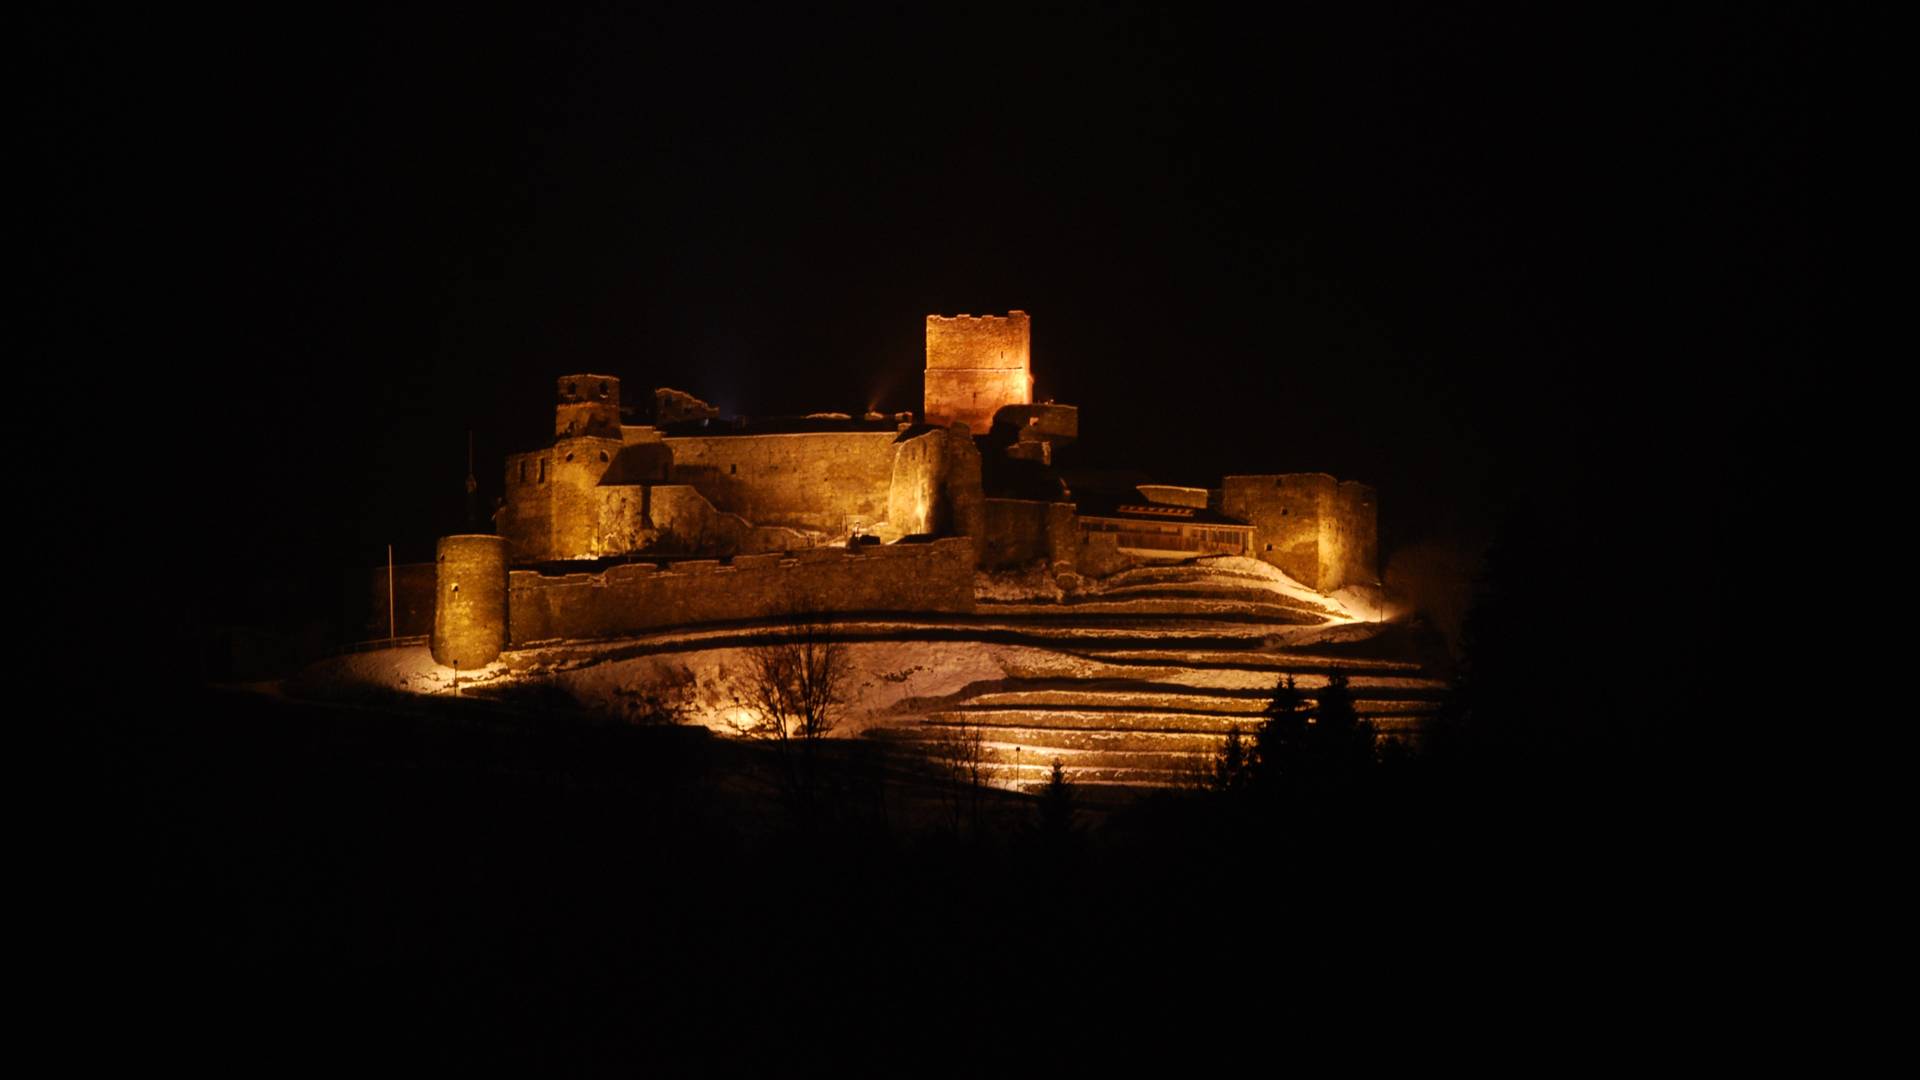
x=932 y=577
x=588 y=405
x=972 y=397
x=984 y=341
x=1019 y=531
x=916 y=499
x=964 y=496
x=553 y=506
x=818 y=481
x=1350 y=538
x=1100 y=555
x=622 y=515
x=1016 y=533
x=1285 y=514
x=684 y=521
x=804 y=487
x=1322 y=533
x=575 y=484
x=526 y=520
x=470 y=600
x=1063 y=536
x=977 y=365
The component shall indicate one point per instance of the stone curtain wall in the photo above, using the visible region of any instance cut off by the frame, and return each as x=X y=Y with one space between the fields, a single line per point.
x=975 y=366
x=933 y=577
x=966 y=503
x=916 y=498
x=1321 y=532
x=1019 y=531
x=686 y=523
x=740 y=494
x=816 y=481
x=1016 y=533
x=1350 y=536
x=1100 y=555
x=1285 y=514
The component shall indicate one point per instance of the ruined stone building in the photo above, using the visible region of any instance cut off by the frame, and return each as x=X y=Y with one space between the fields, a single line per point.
x=869 y=513
x=694 y=483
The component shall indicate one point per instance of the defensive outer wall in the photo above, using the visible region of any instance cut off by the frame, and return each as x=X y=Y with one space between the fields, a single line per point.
x=930 y=577
x=593 y=495
x=817 y=481
x=1321 y=531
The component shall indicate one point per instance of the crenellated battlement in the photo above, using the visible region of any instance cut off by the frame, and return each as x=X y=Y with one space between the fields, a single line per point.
x=1011 y=316
x=980 y=343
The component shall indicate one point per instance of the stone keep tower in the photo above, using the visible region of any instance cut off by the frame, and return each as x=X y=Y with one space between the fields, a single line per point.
x=975 y=365
x=553 y=509
x=589 y=405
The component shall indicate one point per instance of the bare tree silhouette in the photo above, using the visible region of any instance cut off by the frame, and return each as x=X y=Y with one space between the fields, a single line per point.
x=959 y=756
x=793 y=688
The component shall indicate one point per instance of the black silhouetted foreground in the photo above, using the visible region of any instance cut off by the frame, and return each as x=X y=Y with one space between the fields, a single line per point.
x=436 y=882
x=452 y=884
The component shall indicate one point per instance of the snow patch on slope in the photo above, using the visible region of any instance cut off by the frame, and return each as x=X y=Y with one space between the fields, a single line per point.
x=709 y=685
x=405 y=669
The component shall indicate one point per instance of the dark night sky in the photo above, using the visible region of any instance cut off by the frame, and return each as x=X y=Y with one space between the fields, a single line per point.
x=1460 y=255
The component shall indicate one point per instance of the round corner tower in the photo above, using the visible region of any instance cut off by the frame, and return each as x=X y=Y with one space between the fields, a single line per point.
x=588 y=405
x=469 y=600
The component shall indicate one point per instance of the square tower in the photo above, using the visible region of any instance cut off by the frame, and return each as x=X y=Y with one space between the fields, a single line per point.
x=589 y=405
x=976 y=365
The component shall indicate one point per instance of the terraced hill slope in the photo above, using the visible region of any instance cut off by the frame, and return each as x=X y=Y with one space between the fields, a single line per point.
x=1141 y=679
x=1133 y=681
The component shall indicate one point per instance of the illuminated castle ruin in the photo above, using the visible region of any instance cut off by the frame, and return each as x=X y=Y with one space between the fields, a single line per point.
x=730 y=518
x=977 y=365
